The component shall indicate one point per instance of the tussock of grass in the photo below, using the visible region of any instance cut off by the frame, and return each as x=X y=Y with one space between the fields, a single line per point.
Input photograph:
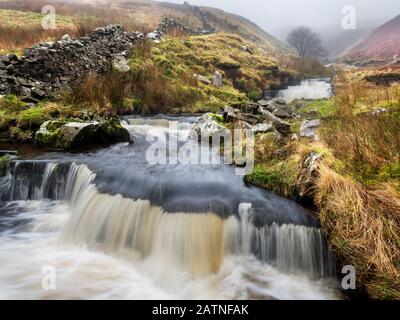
x=363 y=228
x=358 y=192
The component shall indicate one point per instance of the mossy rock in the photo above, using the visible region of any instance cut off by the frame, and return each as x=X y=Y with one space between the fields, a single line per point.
x=70 y=134
x=32 y=118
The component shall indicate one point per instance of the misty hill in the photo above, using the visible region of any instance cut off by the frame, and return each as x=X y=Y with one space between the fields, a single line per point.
x=382 y=46
x=146 y=15
x=202 y=17
x=340 y=43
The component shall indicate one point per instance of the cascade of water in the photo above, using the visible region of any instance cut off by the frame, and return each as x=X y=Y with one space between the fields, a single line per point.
x=35 y=180
x=191 y=242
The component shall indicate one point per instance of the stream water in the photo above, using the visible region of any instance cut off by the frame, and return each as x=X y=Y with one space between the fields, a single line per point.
x=109 y=225
x=310 y=89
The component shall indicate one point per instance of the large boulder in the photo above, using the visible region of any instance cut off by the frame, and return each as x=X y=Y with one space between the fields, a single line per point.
x=308 y=129
x=207 y=126
x=69 y=135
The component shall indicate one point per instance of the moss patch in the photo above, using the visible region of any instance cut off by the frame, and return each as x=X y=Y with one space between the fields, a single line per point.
x=4 y=165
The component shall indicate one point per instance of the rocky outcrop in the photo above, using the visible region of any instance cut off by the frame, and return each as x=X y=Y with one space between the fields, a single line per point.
x=69 y=135
x=385 y=79
x=47 y=67
x=260 y=119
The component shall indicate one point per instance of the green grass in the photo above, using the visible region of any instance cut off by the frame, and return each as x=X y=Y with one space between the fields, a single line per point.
x=28 y=19
x=323 y=107
x=279 y=177
x=178 y=59
x=4 y=164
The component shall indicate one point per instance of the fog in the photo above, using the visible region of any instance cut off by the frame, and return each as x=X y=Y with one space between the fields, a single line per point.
x=324 y=16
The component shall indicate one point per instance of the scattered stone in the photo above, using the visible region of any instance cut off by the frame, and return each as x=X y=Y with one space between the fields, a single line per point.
x=263 y=103
x=281 y=126
x=280 y=113
x=262 y=128
x=168 y=25
x=311 y=113
x=308 y=129
x=66 y=37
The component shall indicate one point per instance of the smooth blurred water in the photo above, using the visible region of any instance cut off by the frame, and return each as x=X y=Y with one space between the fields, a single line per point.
x=114 y=226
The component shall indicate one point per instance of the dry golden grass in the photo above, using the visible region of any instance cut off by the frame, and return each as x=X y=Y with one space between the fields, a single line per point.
x=15 y=39
x=358 y=189
x=363 y=227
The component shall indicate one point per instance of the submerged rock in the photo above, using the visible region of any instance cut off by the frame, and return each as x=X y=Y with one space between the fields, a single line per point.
x=69 y=135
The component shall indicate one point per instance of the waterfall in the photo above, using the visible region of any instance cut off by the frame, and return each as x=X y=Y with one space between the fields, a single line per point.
x=308 y=89
x=137 y=230
x=191 y=242
x=35 y=180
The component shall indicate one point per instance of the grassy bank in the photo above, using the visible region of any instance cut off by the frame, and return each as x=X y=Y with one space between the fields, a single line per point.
x=176 y=75
x=357 y=188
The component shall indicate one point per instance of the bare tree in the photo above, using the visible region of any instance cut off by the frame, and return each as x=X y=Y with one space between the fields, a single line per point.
x=307 y=43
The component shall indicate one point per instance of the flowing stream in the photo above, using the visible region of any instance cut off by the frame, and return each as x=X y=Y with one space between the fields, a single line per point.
x=311 y=89
x=112 y=226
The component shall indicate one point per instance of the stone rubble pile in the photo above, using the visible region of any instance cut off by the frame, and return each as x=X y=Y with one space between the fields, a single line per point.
x=48 y=67
x=168 y=24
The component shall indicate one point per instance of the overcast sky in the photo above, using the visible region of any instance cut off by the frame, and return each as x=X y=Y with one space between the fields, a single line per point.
x=278 y=16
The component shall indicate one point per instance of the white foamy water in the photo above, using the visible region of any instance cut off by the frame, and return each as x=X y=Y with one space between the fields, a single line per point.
x=83 y=273
x=312 y=89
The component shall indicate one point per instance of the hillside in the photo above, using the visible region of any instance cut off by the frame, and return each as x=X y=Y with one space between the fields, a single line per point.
x=381 y=47
x=145 y=16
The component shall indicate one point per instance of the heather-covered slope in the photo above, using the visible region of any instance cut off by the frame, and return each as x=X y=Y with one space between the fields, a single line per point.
x=381 y=47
